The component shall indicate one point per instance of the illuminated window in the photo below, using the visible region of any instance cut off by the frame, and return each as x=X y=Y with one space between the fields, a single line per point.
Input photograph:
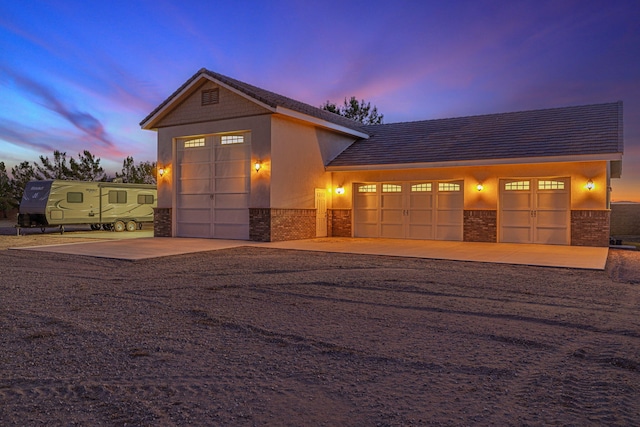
x=448 y=186
x=193 y=143
x=232 y=139
x=211 y=96
x=391 y=188
x=516 y=185
x=367 y=188
x=550 y=185
x=421 y=187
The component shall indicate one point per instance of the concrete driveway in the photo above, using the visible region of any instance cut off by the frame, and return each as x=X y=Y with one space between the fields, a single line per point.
x=505 y=253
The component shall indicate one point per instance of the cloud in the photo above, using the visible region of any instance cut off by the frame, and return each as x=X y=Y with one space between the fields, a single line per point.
x=31 y=139
x=48 y=99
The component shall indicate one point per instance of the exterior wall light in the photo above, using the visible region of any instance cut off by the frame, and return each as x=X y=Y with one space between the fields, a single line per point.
x=340 y=190
x=590 y=185
x=257 y=166
x=479 y=187
x=161 y=172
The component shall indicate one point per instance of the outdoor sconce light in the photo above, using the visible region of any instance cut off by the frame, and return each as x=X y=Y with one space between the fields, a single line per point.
x=161 y=172
x=340 y=190
x=590 y=185
x=479 y=187
x=257 y=166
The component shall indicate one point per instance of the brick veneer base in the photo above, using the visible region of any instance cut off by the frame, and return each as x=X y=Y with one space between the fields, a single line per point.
x=339 y=223
x=162 y=222
x=480 y=226
x=590 y=228
x=273 y=225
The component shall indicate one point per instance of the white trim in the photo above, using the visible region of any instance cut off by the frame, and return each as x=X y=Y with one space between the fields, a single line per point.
x=483 y=162
x=319 y=122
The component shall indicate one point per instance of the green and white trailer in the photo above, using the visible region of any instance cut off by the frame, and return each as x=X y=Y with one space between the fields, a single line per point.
x=106 y=205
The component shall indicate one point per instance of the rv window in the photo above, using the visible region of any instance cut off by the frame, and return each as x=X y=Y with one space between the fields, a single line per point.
x=145 y=199
x=74 y=197
x=117 y=196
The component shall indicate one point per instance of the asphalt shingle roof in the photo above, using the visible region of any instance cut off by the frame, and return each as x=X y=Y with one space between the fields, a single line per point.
x=568 y=131
x=269 y=98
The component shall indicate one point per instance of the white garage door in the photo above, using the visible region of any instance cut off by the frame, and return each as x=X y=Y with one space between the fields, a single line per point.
x=213 y=187
x=409 y=210
x=535 y=211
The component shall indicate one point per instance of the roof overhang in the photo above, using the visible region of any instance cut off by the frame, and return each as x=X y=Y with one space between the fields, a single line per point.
x=482 y=162
x=321 y=123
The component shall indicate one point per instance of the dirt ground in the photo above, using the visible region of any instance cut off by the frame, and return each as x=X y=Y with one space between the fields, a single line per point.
x=257 y=336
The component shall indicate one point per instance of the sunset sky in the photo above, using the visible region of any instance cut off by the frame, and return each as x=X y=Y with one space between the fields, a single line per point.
x=78 y=75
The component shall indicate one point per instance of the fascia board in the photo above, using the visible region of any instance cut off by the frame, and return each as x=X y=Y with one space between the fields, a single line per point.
x=319 y=122
x=483 y=162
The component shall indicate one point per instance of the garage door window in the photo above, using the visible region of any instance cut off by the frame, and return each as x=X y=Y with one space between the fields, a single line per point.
x=448 y=186
x=232 y=139
x=419 y=188
x=193 y=143
x=550 y=185
x=367 y=188
x=391 y=188
x=517 y=186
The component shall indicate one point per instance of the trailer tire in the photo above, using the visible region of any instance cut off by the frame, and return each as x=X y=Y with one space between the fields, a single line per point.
x=131 y=226
x=95 y=227
x=119 y=226
x=107 y=227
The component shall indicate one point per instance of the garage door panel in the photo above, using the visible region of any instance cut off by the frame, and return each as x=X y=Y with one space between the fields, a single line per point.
x=366 y=216
x=551 y=236
x=367 y=202
x=194 y=155
x=197 y=216
x=392 y=231
x=552 y=201
x=516 y=200
x=552 y=218
x=516 y=218
x=516 y=234
x=420 y=217
x=450 y=201
x=194 y=230
x=231 y=200
x=367 y=230
x=231 y=216
x=196 y=171
x=195 y=186
x=392 y=216
x=420 y=231
x=421 y=201
x=194 y=200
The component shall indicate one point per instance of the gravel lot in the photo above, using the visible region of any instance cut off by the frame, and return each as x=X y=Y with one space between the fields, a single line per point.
x=257 y=336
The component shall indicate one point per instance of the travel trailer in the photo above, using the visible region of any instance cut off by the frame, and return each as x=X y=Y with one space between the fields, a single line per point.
x=106 y=205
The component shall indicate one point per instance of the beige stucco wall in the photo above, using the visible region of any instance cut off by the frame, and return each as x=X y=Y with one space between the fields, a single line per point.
x=299 y=153
x=488 y=176
x=260 y=129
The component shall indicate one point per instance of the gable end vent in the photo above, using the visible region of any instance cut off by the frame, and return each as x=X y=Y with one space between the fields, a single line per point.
x=211 y=96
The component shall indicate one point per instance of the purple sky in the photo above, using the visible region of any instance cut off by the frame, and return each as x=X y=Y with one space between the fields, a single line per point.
x=78 y=75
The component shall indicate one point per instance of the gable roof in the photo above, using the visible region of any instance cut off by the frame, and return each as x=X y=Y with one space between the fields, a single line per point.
x=589 y=132
x=270 y=100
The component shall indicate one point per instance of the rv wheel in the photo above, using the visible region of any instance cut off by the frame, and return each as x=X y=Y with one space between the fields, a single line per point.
x=131 y=226
x=118 y=226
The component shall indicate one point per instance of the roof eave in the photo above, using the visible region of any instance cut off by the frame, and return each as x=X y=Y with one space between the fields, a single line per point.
x=321 y=123
x=480 y=162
